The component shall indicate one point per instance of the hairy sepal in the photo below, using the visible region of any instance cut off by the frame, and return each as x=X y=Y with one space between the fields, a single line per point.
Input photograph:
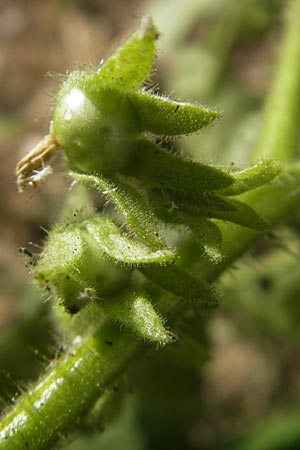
x=208 y=236
x=252 y=177
x=214 y=206
x=122 y=249
x=181 y=283
x=166 y=117
x=178 y=208
x=159 y=168
x=135 y=211
x=130 y=64
x=135 y=311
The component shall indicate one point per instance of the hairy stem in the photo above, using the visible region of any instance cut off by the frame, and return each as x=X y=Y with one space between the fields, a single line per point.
x=67 y=392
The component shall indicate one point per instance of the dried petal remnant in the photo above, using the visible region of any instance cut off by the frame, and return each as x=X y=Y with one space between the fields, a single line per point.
x=33 y=163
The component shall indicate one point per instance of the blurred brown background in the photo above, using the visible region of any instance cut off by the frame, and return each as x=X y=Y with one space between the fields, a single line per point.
x=39 y=40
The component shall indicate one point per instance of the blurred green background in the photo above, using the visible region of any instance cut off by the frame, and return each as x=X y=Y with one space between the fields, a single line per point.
x=232 y=381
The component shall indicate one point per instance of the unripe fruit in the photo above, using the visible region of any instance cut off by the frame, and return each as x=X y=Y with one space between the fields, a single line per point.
x=97 y=128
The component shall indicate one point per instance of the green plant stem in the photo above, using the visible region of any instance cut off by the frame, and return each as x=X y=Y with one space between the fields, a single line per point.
x=67 y=392
x=278 y=139
x=224 y=35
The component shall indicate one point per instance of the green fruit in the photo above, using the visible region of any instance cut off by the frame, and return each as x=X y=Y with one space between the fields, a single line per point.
x=97 y=128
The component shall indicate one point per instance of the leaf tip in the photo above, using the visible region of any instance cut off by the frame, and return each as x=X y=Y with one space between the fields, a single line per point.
x=148 y=28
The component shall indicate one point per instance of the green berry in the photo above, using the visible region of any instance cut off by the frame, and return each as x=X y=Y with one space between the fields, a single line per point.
x=96 y=130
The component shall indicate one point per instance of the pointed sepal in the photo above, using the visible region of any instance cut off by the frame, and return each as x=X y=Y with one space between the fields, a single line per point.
x=132 y=205
x=135 y=311
x=123 y=250
x=213 y=206
x=179 y=282
x=160 y=168
x=253 y=177
x=163 y=116
x=208 y=236
x=130 y=64
x=238 y=212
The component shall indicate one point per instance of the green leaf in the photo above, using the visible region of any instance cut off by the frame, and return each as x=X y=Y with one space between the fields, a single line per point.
x=181 y=283
x=163 y=116
x=113 y=244
x=253 y=177
x=159 y=168
x=130 y=64
x=131 y=204
x=135 y=311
